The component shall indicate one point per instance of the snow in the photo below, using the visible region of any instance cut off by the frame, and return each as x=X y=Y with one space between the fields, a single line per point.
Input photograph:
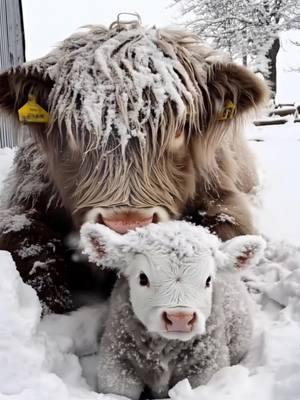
x=14 y=223
x=55 y=358
x=288 y=61
x=32 y=250
x=278 y=155
x=40 y=365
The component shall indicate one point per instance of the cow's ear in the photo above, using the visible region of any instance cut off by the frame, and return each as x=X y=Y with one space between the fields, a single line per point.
x=234 y=90
x=103 y=246
x=243 y=251
x=17 y=84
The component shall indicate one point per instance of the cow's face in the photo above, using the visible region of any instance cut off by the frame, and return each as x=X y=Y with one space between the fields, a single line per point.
x=171 y=270
x=123 y=191
x=134 y=120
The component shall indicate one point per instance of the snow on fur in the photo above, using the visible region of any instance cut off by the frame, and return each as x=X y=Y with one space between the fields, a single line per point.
x=123 y=79
x=178 y=237
x=18 y=189
x=11 y=222
x=161 y=237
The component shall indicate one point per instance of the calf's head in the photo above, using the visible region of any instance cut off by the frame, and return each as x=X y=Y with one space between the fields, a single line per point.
x=171 y=270
x=133 y=119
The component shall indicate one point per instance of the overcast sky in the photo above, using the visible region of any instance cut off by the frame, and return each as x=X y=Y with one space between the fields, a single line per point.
x=49 y=21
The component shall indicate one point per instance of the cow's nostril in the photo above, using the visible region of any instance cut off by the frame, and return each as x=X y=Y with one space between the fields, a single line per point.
x=166 y=319
x=179 y=321
x=155 y=218
x=99 y=219
x=122 y=222
x=193 y=319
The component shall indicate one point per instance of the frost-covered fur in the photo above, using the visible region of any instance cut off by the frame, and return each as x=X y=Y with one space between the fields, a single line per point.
x=139 y=349
x=134 y=135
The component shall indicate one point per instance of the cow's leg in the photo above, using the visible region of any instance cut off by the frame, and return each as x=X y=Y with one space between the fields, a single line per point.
x=230 y=216
x=227 y=216
x=40 y=257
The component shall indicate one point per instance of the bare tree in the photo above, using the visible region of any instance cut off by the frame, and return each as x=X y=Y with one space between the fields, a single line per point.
x=248 y=29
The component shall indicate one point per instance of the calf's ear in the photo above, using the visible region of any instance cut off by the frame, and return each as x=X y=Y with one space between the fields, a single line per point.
x=243 y=251
x=103 y=246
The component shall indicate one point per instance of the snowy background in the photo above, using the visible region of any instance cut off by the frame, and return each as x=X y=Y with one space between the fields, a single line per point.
x=55 y=358
x=48 y=22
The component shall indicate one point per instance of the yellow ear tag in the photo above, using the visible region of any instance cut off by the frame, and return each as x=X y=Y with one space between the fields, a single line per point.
x=228 y=112
x=31 y=112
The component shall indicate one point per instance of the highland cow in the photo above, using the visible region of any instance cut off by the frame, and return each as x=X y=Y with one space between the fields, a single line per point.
x=179 y=309
x=135 y=135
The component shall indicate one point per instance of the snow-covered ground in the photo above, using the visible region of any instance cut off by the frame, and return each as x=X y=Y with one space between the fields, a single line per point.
x=277 y=149
x=55 y=359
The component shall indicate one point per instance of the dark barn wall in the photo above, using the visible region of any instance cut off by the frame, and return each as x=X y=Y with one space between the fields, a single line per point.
x=12 y=52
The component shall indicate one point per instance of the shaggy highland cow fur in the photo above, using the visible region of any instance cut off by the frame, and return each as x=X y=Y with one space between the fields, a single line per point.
x=134 y=126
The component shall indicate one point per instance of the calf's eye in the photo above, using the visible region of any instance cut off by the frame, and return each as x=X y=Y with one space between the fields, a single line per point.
x=208 y=282
x=144 y=281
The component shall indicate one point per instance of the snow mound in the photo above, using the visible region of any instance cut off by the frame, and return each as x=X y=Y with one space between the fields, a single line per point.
x=33 y=365
x=56 y=358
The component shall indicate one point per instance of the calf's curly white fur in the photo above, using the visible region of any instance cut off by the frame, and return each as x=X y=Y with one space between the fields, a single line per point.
x=179 y=309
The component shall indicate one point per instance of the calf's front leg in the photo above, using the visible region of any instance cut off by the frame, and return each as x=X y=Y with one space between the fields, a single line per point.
x=117 y=376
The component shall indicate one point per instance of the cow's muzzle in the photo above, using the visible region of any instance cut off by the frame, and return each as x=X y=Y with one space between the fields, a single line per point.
x=123 y=219
x=179 y=321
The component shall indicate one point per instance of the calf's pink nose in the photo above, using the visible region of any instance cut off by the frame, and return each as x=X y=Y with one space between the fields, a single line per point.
x=179 y=321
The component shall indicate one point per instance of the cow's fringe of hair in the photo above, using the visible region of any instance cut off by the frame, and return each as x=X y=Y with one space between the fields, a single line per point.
x=129 y=83
x=138 y=182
